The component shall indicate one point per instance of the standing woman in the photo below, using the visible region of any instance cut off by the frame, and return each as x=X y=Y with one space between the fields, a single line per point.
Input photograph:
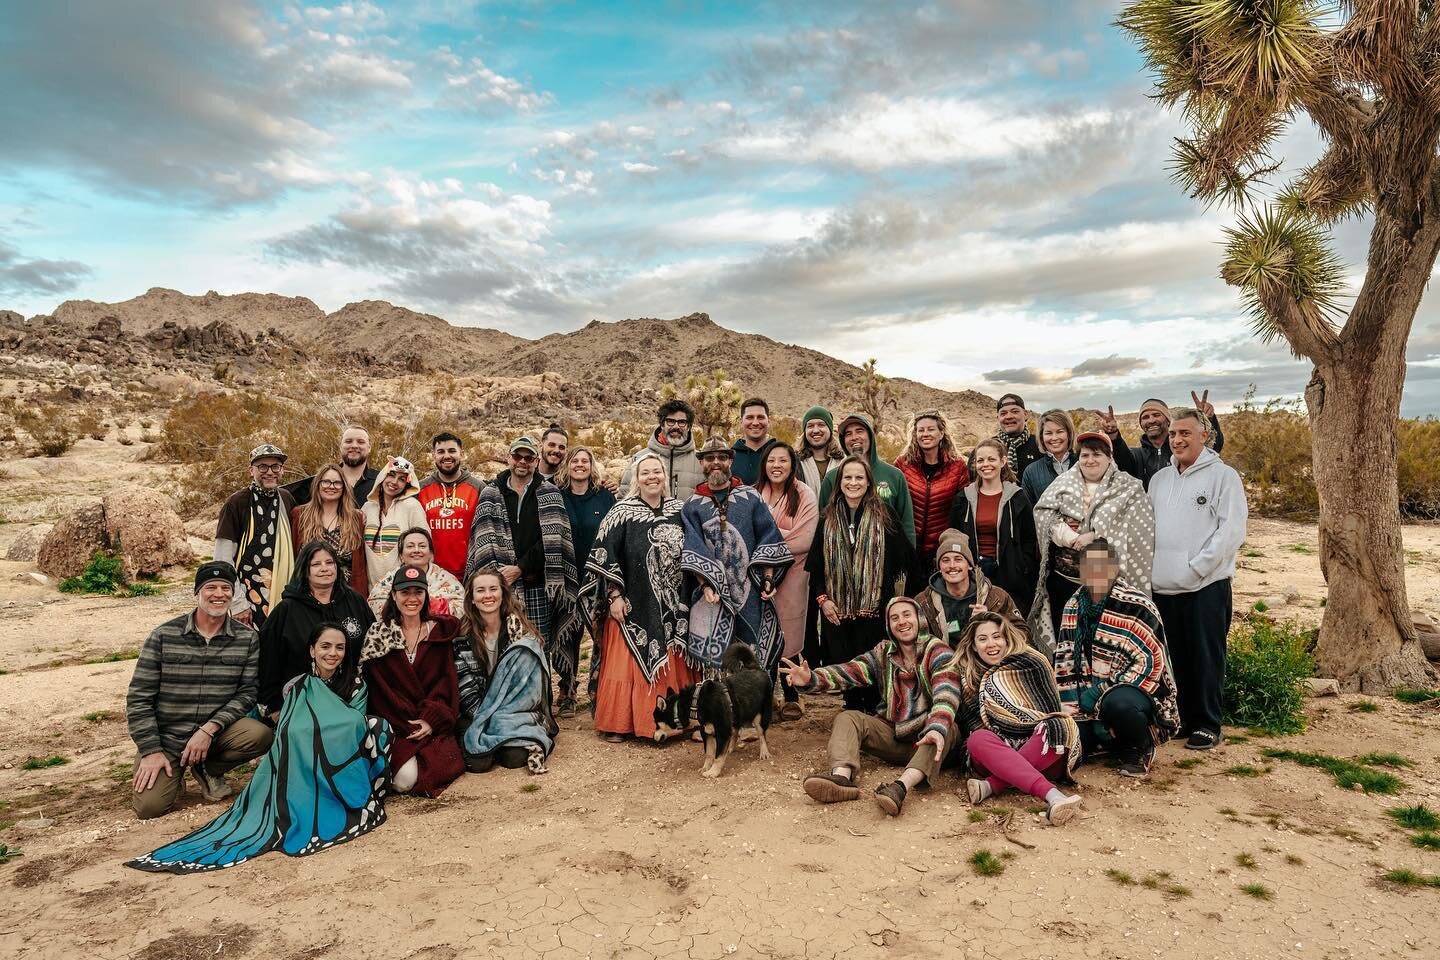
x=504 y=677
x=587 y=501
x=411 y=671
x=796 y=513
x=1096 y=499
x=1057 y=448
x=392 y=508
x=633 y=590
x=996 y=516
x=859 y=560
x=331 y=515
x=935 y=474
x=820 y=452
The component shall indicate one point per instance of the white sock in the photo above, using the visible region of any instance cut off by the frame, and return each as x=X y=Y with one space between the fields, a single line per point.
x=1055 y=796
x=840 y=771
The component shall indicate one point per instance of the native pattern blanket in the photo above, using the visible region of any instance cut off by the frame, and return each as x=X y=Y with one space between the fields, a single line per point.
x=322 y=783
x=637 y=550
x=731 y=550
x=516 y=708
x=1018 y=696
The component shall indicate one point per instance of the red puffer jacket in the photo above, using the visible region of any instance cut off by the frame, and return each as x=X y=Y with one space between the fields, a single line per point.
x=932 y=499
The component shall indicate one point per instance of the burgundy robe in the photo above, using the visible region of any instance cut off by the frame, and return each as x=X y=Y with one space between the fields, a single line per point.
x=425 y=690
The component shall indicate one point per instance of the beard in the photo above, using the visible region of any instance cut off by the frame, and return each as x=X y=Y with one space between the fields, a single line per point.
x=353 y=459
x=718 y=478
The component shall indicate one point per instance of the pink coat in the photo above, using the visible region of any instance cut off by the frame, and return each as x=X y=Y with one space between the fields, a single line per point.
x=792 y=597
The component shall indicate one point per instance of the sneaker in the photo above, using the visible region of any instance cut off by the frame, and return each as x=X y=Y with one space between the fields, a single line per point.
x=1062 y=812
x=566 y=707
x=1133 y=769
x=212 y=785
x=891 y=797
x=1203 y=740
x=977 y=791
x=831 y=787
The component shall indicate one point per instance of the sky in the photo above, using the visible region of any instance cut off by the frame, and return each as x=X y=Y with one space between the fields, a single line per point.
x=973 y=192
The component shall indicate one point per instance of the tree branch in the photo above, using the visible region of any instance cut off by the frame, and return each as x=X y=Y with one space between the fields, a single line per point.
x=1315 y=342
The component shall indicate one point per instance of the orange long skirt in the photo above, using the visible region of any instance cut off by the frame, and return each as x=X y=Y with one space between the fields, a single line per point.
x=624 y=701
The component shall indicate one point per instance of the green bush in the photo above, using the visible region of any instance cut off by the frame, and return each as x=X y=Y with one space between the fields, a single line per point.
x=105 y=574
x=1264 y=667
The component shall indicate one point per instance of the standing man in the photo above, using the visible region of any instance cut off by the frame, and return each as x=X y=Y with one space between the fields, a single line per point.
x=735 y=551
x=1153 y=452
x=354 y=465
x=750 y=448
x=821 y=453
x=857 y=435
x=193 y=685
x=1012 y=419
x=449 y=496
x=253 y=535
x=1200 y=515
x=522 y=530
x=674 y=441
x=554 y=443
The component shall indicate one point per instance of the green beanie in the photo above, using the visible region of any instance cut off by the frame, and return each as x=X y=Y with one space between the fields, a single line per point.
x=818 y=413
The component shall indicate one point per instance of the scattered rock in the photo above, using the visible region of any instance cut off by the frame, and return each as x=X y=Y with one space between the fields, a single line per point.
x=1289 y=595
x=72 y=542
x=1428 y=632
x=26 y=547
x=1322 y=687
x=148 y=532
x=32 y=579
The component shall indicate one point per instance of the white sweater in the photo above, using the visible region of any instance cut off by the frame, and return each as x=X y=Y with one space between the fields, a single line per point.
x=1199 y=523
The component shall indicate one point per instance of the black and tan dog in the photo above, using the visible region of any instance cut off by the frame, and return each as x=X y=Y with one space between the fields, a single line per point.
x=742 y=697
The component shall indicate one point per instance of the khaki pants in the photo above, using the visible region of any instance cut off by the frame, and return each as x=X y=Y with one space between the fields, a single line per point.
x=243 y=740
x=855 y=731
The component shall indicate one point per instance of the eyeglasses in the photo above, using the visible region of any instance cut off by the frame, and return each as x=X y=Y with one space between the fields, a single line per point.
x=268 y=467
x=332 y=483
x=523 y=457
x=673 y=422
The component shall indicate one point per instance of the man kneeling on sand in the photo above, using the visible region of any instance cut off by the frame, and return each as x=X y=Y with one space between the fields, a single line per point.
x=919 y=694
x=194 y=683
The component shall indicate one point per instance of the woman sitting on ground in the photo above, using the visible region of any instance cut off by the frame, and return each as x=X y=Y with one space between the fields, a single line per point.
x=411 y=670
x=996 y=516
x=504 y=677
x=1023 y=738
x=796 y=513
x=958 y=590
x=392 y=508
x=417 y=548
x=314 y=595
x=297 y=802
x=331 y=515
x=1112 y=666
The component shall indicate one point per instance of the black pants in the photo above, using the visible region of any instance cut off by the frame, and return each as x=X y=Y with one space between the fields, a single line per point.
x=1127 y=713
x=1196 y=625
x=511 y=758
x=1060 y=591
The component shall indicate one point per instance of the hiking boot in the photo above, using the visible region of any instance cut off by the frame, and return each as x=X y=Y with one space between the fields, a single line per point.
x=891 y=797
x=212 y=785
x=1203 y=740
x=1062 y=812
x=566 y=707
x=831 y=787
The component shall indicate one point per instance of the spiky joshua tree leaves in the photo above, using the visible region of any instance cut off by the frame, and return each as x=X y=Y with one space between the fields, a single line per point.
x=873 y=394
x=1367 y=74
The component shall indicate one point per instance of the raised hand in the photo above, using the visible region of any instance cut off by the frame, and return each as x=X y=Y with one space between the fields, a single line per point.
x=1108 y=423
x=1202 y=403
x=797 y=671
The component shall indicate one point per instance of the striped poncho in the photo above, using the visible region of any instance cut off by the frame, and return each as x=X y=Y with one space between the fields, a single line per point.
x=1118 y=641
x=915 y=700
x=1018 y=697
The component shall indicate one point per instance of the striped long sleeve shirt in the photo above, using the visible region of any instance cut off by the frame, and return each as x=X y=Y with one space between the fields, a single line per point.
x=182 y=681
x=914 y=700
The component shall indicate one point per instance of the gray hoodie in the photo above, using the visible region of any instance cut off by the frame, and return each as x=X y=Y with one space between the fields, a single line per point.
x=1199 y=523
x=681 y=462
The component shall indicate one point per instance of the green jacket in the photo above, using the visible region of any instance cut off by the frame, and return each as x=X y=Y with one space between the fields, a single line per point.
x=890 y=483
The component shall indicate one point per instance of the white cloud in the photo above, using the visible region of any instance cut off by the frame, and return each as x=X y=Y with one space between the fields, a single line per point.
x=483 y=89
x=746 y=226
x=638 y=167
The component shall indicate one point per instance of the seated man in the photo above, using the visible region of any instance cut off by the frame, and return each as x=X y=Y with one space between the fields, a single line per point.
x=194 y=683
x=1112 y=666
x=919 y=694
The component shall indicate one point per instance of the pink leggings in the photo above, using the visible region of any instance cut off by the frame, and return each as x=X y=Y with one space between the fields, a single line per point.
x=1008 y=767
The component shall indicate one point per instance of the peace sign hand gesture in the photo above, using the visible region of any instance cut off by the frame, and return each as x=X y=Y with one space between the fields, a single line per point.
x=797 y=671
x=1202 y=403
x=1107 y=420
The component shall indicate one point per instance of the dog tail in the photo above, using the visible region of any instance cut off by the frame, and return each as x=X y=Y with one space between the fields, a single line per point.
x=739 y=656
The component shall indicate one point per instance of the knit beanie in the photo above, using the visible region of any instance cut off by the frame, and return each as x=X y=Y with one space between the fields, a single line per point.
x=1153 y=404
x=919 y=615
x=818 y=413
x=953 y=541
x=213 y=570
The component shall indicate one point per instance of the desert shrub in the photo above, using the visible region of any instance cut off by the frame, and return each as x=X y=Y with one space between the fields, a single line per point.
x=105 y=573
x=1419 y=465
x=1270 y=446
x=52 y=429
x=1264 y=666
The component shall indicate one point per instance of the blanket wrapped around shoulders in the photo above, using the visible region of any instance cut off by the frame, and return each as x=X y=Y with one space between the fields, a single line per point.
x=1018 y=696
x=516 y=709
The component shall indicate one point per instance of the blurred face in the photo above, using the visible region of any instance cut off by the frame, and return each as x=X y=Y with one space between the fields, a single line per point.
x=552 y=449
x=580 y=466
x=1187 y=439
x=1011 y=418
x=987 y=463
x=990 y=643
x=394 y=483
x=214 y=597
x=928 y=433
x=1155 y=424
x=651 y=475
x=1055 y=439
x=322 y=571
x=778 y=466
x=487 y=593
x=676 y=427
x=717 y=469
x=755 y=422
x=266 y=472
x=410 y=600
x=447 y=457
x=817 y=435
x=853 y=483
x=856 y=439
x=522 y=464
x=354 y=447
x=416 y=549
x=904 y=622
x=332 y=486
x=1098 y=571
x=954 y=568
x=328 y=652
x=1093 y=464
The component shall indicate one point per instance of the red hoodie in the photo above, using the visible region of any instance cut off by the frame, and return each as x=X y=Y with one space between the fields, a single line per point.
x=449 y=510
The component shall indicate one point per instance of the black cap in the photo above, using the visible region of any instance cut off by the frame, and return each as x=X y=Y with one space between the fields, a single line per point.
x=213 y=570
x=410 y=575
x=1010 y=398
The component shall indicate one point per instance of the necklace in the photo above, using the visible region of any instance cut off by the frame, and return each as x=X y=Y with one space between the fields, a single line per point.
x=447 y=500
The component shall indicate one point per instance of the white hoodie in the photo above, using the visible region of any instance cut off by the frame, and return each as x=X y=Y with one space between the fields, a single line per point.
x=1199 y=523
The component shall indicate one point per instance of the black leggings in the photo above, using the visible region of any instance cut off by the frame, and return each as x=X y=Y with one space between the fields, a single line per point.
x=1127 y=713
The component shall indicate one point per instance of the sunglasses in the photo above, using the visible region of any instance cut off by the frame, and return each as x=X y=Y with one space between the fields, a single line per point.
x=522 y=457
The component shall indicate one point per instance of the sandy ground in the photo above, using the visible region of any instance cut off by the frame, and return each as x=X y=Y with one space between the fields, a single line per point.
x=624 y=851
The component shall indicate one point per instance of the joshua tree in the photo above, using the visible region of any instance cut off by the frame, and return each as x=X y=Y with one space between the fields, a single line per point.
x=1367 y=74
x=873 y=394
x=715 y=397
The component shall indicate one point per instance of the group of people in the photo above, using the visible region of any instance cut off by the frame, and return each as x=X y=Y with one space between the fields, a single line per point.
x=1044 y=599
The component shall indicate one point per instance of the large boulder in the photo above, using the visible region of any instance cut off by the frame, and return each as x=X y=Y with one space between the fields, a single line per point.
x=136 y=521
x=26 y=547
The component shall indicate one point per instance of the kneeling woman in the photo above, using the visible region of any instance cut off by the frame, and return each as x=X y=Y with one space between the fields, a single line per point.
x=1024 y=737
x=411 y=670
x=505 y=710
x=298 y=801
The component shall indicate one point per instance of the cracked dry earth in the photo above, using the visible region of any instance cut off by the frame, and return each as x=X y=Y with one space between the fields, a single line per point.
x=623 y=851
